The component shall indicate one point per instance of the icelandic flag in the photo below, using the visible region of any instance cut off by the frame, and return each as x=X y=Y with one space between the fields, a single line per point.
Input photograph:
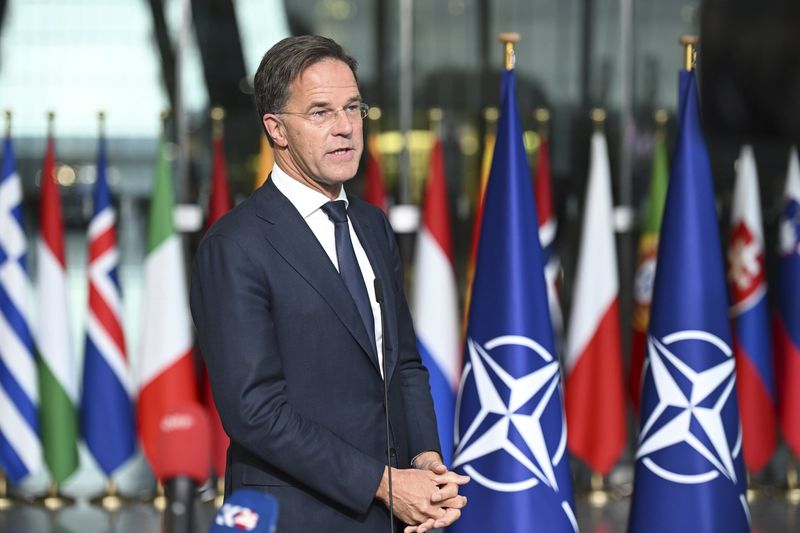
x=20 y=443
x=106 y=411
x=689 y=473
x=435 y=298
x=787 y=321
x=510 y=432
x=751 y=330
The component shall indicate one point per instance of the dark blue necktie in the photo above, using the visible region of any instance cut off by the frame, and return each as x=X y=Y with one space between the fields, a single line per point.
x=348 y=264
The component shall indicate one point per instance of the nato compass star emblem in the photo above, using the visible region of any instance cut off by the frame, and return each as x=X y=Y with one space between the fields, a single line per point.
x=509 y=414
x=690 y=411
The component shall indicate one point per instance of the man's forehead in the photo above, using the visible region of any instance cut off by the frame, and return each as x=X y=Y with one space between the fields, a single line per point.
x=324 y=77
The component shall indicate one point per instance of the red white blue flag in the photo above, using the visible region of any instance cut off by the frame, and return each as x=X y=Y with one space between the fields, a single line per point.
x=787 y=323
x=751 y=331
x=106 y=411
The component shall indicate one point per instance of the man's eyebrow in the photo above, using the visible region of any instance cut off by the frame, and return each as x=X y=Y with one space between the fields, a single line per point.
x=326 y=103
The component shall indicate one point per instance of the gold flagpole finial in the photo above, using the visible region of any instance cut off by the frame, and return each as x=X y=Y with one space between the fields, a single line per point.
x=436 y=118
x=542 y=117
x=164 y=118
x=491 y=114
x=8 y=122
x=217 y=118
x=101 y=119
x=51 y=117
x=374 y=114
x=689 y=43
x=598 y=116
x=509 y=39
x=661 y=117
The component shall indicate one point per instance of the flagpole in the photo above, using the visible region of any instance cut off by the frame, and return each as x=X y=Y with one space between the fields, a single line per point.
x=8 y=122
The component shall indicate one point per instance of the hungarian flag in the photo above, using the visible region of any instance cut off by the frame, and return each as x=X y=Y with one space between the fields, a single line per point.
x=374 y=188
x=594 y=392
x=166 y=365
x=510 y=433
x=58 y=380
x=787 y=319
x=219 y=203
x=106 y=411
x=646 y=268
x=752 y=347
x=689 y=472
x=20 y=444
x=435 y=299
x=548 y=227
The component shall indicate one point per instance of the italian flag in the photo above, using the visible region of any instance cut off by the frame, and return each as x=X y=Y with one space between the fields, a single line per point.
x=58 y=386
x=166 y=365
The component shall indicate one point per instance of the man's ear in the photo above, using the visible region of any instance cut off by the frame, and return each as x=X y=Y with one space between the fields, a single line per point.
x=276 y=129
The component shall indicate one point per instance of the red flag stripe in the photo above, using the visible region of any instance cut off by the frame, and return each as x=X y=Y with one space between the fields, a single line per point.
x=595 y=398
x=107 y=318
x=52 y=225
x=100 y=244
x=437 y=221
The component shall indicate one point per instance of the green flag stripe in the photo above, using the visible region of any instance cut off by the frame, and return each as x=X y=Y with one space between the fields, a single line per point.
x=58 y=425
x=160 y=225
x=658 y=187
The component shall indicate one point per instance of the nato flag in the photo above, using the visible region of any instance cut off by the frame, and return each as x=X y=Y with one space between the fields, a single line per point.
x=689 y=468
x=510 y=434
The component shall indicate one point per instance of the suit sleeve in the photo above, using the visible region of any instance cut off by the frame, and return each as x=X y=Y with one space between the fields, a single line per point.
x=422 y=433
x=231 y=307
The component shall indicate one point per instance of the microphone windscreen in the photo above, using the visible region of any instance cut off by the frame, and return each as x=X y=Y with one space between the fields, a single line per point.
x=183 y=444
x=246 y=510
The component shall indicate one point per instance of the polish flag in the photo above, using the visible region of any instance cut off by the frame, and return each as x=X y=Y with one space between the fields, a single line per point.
x=594 y=393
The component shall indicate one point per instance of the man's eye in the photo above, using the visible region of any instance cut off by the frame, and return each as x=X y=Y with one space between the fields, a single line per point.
x=352 y=109
x=321 y=114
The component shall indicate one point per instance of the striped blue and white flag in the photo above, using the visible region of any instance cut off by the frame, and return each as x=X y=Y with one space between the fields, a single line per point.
x=20 y=443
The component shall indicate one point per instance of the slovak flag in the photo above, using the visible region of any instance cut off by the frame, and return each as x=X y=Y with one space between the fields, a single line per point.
x=510 y=433
x=751 y=342
x=689 y=473
x=787 y=321
x=435 y=298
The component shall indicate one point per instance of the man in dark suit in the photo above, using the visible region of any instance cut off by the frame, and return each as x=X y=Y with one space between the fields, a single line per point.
x=283 y=298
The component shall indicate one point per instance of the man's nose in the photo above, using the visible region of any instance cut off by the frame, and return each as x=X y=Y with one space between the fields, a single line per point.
x=342 y=123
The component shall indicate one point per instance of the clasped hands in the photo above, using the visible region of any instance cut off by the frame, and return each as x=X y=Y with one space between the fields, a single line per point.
x=426 y=496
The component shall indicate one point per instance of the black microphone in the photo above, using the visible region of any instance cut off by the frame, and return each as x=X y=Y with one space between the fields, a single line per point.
x=379 y=299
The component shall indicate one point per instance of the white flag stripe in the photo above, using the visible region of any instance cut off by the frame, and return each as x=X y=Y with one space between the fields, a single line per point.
x=12 y=238
x=596 y=282
x=108 y=349
x=166 y=333
x=17 y=286
x=746 y=197
x=98 y=273
x=24 y=441
x=101 y=222
x=435 y=318
x=53 y=334
x=18 y=359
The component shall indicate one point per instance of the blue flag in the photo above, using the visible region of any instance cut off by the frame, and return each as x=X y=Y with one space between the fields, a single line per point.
x=689 y=468
x=510 y=434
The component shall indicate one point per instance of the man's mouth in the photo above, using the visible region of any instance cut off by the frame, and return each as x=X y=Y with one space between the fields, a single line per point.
x=341 y=151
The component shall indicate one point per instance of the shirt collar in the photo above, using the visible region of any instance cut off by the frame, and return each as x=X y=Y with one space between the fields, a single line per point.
x=305 y=199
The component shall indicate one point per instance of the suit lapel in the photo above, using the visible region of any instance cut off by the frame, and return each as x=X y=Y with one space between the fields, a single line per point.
x=291 y=237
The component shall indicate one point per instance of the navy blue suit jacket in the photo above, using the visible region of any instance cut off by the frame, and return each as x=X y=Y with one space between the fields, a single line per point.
x=293 y=374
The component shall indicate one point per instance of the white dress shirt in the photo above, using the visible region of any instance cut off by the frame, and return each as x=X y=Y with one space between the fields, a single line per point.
x=308 y=203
